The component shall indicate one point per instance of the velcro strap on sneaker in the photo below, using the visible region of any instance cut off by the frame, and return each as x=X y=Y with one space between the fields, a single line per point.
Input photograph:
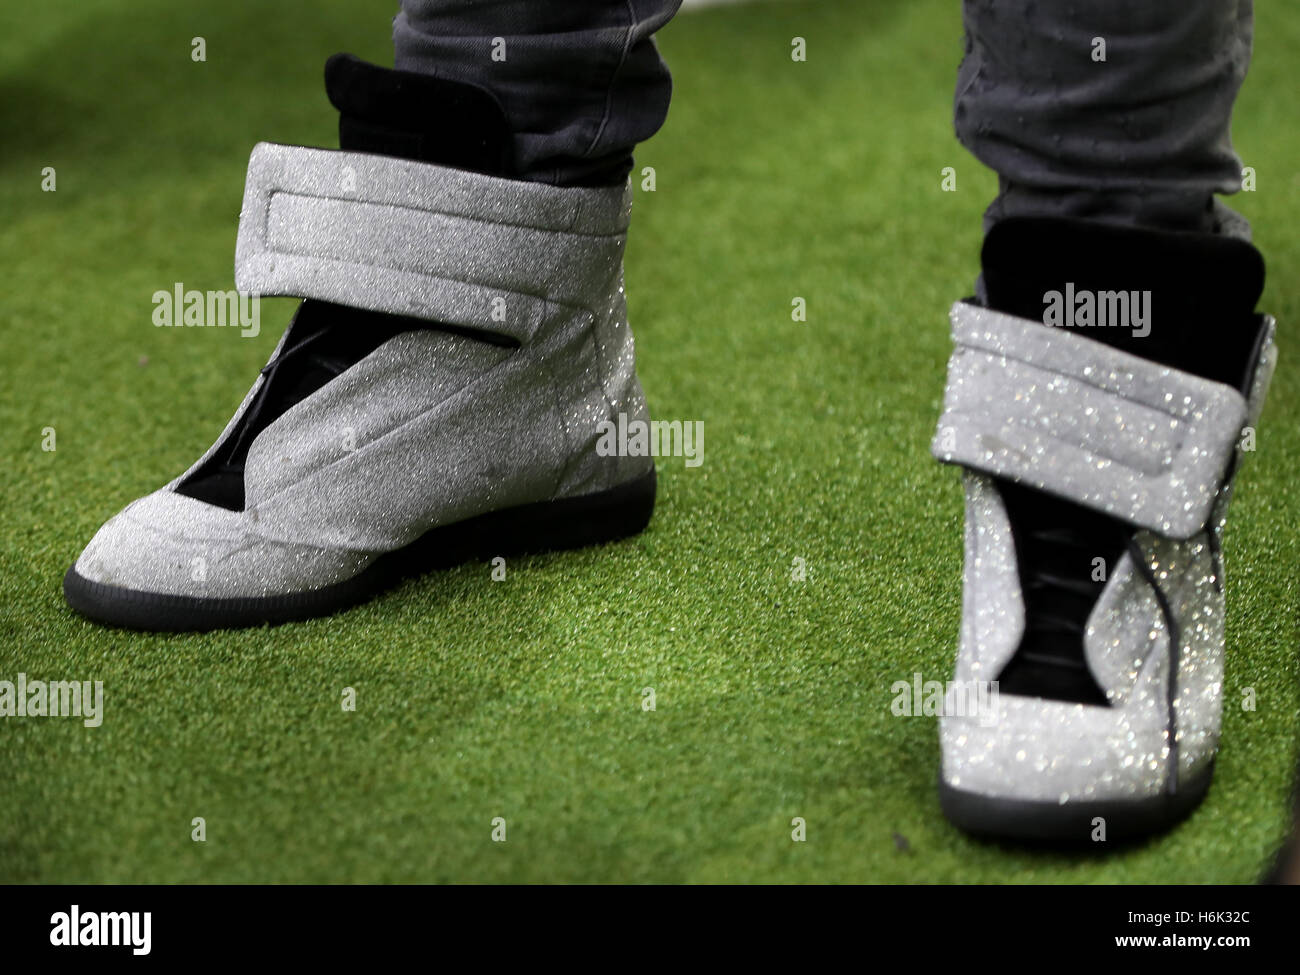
x=1051 y=409
x=409 y=238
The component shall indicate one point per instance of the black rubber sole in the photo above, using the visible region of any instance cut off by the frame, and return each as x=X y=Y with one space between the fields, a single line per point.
x=542 y=527
x=1071 y=823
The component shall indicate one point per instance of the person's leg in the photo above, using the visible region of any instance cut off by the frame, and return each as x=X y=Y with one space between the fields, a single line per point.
x=1099 y=455
x=443 y=391
x=1139 y=138
x=580 y=83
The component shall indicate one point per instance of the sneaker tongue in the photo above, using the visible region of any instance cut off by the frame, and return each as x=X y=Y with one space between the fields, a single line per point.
x=1196 y=292
x=415 y=116
x=324 y=340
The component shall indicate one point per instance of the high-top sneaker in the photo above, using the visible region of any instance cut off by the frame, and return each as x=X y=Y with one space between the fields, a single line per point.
x=1096 y=402
x=439 y=395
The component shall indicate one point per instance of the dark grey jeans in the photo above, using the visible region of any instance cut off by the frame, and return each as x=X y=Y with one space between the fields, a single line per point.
x=580 y=80
x=1140 y=137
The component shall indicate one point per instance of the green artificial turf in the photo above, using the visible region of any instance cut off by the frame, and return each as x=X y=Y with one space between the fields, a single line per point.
x=522 y=699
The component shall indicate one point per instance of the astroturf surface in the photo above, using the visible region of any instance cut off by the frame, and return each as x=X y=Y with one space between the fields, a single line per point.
x=523 y=699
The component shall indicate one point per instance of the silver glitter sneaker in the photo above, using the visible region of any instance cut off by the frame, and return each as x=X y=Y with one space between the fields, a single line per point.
x=1096 y=484
x=439 y=396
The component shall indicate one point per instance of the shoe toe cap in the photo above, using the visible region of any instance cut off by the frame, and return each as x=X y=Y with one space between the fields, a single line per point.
x=1055 y=751
x=171 y=544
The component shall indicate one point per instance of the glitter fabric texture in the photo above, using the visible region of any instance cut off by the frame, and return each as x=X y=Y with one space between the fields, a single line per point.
x=1148 y=444
x=1084 y=421
x=433 y=426
x=410 y=238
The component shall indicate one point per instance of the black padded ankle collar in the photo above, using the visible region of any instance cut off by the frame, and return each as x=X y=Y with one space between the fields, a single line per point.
x=415 y=116
x=1203 y=287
